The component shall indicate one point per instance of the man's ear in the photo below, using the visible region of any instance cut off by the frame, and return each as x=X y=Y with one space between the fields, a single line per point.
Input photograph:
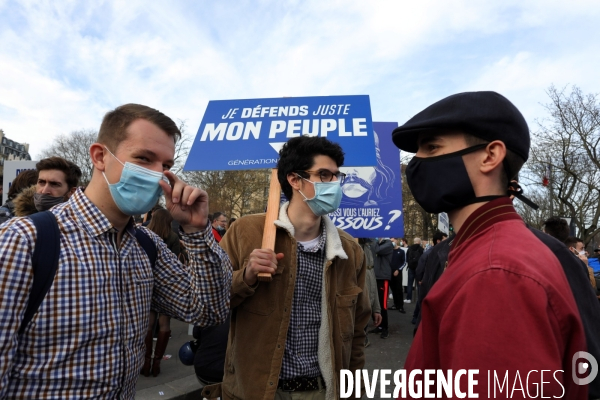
x=495 y=153
x=97 y=153
x=294 y=181
x=70 y=193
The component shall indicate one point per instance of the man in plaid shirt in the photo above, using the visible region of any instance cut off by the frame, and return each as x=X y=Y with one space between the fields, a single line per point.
x=293 y=335
x=87 y=338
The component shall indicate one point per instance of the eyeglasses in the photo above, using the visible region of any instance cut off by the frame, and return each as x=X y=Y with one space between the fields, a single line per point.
x=327 y=176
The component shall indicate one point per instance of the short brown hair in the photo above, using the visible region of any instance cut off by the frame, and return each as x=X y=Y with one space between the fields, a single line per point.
x=113 y=129
x=72 y=171
x=22 y=182
x=512 y=161
x=216 y=216
x=571 y=241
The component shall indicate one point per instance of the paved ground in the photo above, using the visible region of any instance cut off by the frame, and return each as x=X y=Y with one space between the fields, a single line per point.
x=172 y=379
x=177 y=381
x=390 y=353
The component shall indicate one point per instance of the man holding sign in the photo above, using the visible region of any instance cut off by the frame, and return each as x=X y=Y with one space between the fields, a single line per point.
x=295 y=333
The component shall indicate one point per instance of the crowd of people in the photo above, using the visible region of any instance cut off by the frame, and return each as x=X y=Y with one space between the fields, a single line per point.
x=85 y=320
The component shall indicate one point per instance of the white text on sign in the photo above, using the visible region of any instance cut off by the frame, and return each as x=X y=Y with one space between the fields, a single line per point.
x=291 y=128
x=287 y=111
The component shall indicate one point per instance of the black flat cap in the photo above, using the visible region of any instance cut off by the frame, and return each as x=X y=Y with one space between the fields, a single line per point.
x=486 y=115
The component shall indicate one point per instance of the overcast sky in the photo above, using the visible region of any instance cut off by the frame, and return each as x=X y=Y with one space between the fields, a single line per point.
x=63 y=64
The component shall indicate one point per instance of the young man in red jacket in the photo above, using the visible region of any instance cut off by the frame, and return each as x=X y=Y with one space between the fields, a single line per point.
x=503 y=305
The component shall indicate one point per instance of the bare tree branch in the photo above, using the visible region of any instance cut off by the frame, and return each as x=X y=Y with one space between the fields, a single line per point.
x=568 y=141
x=182 y=148
x=236 y=193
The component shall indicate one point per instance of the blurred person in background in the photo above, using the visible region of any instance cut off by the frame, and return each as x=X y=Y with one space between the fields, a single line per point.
x=57 y=181
x=577 y=247
x=371 y=285
x=219 y=222
x=398 y=263
x=161 y=225
x=148 y=216
x=557 y=228
x=430 y=268
x=209 y=359
x=23 y=181
x=382 y=249
x=413 y=254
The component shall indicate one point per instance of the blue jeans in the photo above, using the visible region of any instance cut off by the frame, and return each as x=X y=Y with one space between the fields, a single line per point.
x=411 y=281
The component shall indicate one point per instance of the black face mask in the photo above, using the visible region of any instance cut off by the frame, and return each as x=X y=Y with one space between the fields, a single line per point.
x=45 y=202
x=442 y=184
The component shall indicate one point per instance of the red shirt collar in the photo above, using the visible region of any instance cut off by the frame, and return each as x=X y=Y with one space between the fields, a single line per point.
x=485 y=216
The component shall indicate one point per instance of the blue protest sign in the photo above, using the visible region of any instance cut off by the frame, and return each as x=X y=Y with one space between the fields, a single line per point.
x=372 y=202
x=248 y=134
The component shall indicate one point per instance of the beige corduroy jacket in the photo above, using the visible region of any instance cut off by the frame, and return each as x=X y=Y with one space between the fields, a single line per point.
x=261 y=315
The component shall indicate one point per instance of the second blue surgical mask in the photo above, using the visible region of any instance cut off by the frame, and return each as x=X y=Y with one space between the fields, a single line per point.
x=328 y=197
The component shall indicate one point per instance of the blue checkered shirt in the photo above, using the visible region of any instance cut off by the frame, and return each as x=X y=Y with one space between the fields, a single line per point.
x=87 y=338
x=300 y=358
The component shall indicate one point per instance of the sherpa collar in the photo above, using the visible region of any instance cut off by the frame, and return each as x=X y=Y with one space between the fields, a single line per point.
x=333 y=243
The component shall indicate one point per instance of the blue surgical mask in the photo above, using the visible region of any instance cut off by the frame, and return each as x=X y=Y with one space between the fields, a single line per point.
x=137 y=191
x=328 y=196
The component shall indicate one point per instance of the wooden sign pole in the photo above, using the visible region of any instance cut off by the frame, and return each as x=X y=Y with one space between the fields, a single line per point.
x=268 y=241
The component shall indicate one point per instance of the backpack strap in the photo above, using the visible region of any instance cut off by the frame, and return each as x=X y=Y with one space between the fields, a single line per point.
x=148 y=245
x=44 y=262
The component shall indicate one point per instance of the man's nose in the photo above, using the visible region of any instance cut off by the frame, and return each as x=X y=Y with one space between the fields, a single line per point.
x=45 y=189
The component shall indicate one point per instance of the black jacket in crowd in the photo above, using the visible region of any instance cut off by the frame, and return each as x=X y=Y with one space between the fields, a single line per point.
x=382 y=255
x=414 y=253
x=398 y=259
x=585 y=298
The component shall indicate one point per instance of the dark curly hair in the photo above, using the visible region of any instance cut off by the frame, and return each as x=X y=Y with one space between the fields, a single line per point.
x=438 y=237
x=298 y=154
x=571 y=241
x=557 y=227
